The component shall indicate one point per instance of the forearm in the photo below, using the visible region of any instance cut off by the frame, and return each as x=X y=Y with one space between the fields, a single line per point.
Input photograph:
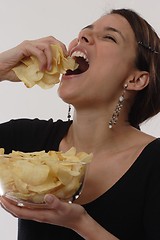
x=89 y=229
x=9 y=76
x=7 y=60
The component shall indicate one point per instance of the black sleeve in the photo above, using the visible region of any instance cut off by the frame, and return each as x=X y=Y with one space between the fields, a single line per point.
x=29 y=135
x=152 y=203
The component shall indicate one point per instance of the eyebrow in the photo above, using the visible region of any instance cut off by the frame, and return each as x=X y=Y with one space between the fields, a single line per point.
x=107 y=29
x=115 y=30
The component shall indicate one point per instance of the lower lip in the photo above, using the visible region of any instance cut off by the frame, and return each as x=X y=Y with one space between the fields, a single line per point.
x=67 y=77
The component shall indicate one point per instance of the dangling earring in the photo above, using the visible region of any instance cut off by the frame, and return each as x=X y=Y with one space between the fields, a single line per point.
x=69 y=113
x=118 y=108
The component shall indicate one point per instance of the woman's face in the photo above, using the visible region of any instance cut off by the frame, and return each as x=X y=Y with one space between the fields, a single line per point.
x=108 y=46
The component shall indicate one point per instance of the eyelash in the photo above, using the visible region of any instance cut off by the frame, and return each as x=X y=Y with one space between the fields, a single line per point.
x=110 y=37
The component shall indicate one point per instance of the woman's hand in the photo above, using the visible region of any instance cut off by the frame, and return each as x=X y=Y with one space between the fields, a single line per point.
x=56 y=212
x=39 y=48
x=63 y=214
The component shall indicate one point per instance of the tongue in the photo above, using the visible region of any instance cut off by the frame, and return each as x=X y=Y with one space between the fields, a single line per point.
x=83 y=66
x=70 y=72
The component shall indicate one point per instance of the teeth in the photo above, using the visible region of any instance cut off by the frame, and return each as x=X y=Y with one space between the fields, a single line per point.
x=79 y=54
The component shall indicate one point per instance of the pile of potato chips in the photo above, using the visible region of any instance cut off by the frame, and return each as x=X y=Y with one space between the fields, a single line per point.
x=29 y=176
x=28 y=70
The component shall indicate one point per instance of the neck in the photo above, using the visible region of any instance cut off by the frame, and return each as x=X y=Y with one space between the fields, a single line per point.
x=90 y=131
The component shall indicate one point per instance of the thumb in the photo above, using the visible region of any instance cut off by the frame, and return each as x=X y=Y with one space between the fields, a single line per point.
x=52 y=201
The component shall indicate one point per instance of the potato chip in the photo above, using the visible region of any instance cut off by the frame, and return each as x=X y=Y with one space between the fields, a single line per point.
x=71 y=152
x=1 y=151
x=28 y=70
x=29 y=176
x=27 y=172
x=64 y=175
x=46 y=187
x=68 y=191
x=20 y=186
x=19 y=195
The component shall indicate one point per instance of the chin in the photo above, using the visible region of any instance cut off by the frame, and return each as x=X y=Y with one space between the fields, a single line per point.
x=65 y=94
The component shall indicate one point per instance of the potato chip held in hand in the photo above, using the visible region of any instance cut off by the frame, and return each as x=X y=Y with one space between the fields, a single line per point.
x=28 y=70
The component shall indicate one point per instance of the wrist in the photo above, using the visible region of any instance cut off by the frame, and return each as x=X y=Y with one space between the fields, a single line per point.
x=6 y=73
x=82 y=225
x=89 y=229
x=85 y=227
x=10 y=76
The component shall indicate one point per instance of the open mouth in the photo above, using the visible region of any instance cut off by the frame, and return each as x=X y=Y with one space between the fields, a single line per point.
x=83 y=65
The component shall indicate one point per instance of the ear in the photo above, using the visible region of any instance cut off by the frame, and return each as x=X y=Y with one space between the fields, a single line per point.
x=139 y=81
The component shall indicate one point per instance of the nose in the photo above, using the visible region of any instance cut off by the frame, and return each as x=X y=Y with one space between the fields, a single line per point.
x=86 y=36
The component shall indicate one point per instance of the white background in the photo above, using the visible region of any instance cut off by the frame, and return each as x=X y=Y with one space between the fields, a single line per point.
x=20 y=20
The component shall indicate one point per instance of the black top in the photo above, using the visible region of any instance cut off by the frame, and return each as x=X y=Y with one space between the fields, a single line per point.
x=130 y=209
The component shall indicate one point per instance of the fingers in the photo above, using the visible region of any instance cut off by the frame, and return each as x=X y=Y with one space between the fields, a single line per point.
x=47 y=215
x=5 y=205
x=41 y=52
x=54 y=203
x=55 y=212
x=41 y=48
x=20 y=212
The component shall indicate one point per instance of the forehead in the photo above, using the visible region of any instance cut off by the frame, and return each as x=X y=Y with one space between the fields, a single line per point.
x=115 y=21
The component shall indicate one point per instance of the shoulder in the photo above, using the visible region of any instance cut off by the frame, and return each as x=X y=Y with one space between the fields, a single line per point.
x=36 y=122
x=36 y=127
x=153 y=147
x=31 y=134
x=150 y=156
x=146 y=144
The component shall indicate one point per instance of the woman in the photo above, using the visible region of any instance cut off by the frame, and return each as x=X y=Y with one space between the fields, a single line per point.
x=111 y=97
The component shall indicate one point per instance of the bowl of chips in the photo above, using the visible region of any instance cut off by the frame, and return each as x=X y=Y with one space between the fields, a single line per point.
x=25 y=178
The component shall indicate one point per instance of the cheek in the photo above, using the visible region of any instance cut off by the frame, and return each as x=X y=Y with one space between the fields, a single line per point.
x=114 y=69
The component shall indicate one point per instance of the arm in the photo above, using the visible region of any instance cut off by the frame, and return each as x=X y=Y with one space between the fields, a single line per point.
x=39 y=48
x=63 y=214
x=89 y=229
x=152 y=203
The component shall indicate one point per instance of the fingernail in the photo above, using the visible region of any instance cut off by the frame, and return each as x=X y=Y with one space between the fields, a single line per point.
x=49 y=68
x=49 y=198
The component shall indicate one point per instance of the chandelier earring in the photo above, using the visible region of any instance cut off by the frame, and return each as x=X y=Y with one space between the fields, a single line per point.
x=69 y=113
x=118 y=108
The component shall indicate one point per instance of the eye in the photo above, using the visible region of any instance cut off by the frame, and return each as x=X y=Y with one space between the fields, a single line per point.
x=110 y=38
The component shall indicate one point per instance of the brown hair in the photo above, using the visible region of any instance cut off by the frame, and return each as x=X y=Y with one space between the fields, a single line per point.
x=147 y=101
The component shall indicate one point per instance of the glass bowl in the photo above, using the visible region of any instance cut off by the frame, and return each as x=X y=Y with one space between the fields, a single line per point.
x=25 y=178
